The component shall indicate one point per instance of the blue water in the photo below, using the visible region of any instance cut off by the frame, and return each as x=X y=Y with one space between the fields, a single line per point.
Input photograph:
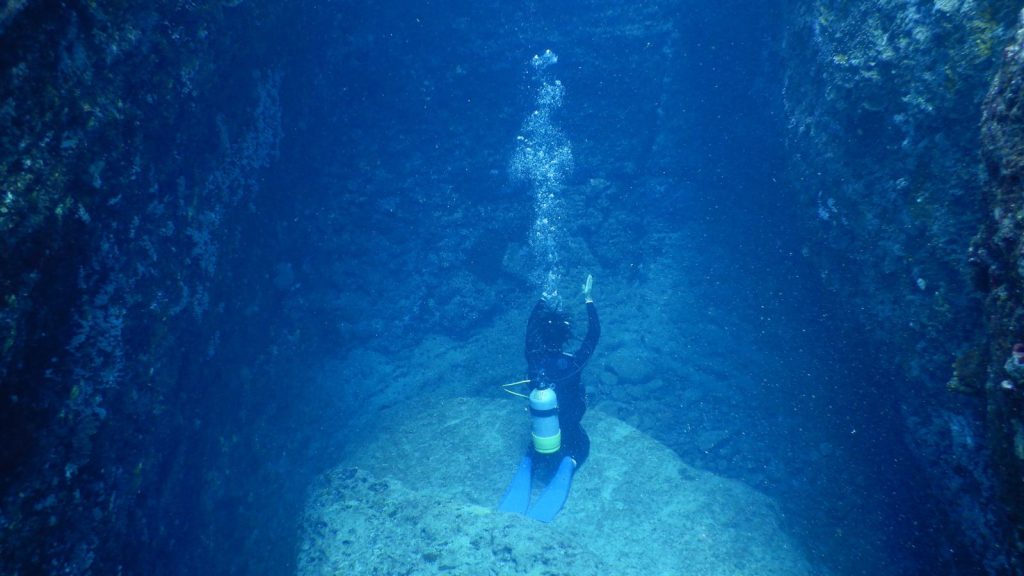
x=438 y=168
x=685 y=124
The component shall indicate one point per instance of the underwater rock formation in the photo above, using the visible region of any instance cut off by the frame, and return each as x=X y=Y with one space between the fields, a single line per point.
x=422 y=492
x=884 y=101
x=998 y=254
x=122 y=169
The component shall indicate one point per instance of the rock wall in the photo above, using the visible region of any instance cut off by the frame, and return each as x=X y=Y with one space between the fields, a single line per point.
x=884 y=101
x=998 y=253
x=132 y=135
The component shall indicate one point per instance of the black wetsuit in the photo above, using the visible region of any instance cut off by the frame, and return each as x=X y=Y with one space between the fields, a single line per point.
x=562 y=371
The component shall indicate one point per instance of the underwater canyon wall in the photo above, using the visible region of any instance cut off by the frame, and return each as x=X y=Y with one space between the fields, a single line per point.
x=133 y=140
x=884 y=102
x=998 y=256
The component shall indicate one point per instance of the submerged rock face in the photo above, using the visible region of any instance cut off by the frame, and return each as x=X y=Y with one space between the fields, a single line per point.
x=883 y=101
x=998 y=252
x=121 y=173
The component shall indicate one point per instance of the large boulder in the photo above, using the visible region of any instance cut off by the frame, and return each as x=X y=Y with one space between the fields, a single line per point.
x=419 y=496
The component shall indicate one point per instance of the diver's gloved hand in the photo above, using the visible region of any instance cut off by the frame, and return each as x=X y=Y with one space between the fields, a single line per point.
x=587 y=287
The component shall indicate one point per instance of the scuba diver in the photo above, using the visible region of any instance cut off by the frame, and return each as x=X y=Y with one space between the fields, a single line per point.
x=557 y=403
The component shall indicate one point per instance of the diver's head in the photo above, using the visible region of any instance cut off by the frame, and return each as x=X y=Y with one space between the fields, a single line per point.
x=554 y=328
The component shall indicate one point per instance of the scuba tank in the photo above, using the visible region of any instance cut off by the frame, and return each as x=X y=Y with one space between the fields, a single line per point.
x=547 y=435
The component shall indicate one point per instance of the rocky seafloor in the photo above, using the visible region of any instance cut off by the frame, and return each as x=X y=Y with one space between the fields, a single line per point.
x=419 y=497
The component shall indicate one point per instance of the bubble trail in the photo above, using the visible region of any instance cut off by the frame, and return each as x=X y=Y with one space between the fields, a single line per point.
x=543 y=159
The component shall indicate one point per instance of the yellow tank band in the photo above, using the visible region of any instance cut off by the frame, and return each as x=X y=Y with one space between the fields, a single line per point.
x=547 y=444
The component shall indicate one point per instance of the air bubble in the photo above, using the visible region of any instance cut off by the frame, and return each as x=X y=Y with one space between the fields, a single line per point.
x=543 y=158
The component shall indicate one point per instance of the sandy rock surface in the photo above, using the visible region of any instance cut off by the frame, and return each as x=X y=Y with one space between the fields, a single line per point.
x=420 y=497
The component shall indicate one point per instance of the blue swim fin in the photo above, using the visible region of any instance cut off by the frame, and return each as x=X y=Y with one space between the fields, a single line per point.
x=517 y=496
x=551 y=500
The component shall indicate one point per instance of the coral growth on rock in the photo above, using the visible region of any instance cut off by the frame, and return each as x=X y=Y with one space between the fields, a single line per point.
x=884 y=133
x=998 y=254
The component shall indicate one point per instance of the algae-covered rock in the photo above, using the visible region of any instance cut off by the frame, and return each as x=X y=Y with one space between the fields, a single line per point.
x=420 y=496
